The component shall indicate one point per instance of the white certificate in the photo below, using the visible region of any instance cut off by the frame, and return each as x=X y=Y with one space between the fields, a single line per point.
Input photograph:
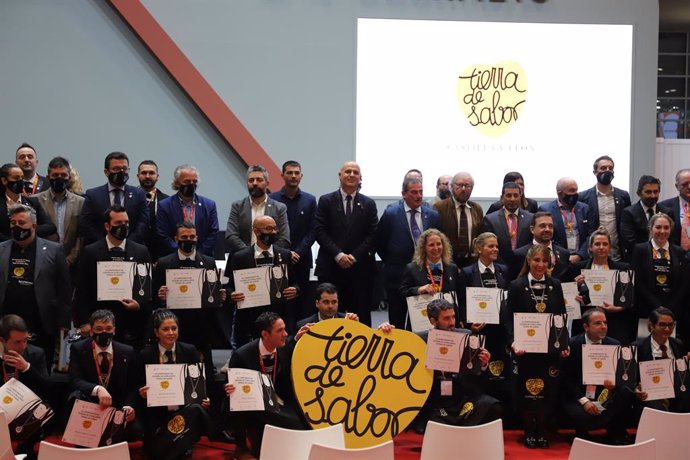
x=184 y=287
x=531 y=332
x=656 y=379
x=91 y=426
x=165 y=385
x=253 y=391
x=572 y=306
x=600 y=284
x=484 y=304
x=599 y=363
x=254 y=284
x=416 y=310
x=114 y=280
x=443 y=350
x=25 y=411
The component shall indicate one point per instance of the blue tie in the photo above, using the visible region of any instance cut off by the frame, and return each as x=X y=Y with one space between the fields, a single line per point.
x=416 y=231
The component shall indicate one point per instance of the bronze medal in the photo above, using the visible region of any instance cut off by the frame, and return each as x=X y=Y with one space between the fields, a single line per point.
x=18 y=271
x=661 y=279
x=541 y=307
x=496 y=367
x=534 y=386
x=176 y=424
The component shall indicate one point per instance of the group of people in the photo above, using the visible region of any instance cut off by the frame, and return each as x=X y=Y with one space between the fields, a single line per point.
x=54 y=234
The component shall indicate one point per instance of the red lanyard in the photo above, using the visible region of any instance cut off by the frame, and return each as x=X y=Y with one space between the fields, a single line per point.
x=4 y=372
x=438 y=288
x=509 y=224
x=568 y=223
x=189 y=218
x=275 y=365
x=101 y=380
x=33 y=190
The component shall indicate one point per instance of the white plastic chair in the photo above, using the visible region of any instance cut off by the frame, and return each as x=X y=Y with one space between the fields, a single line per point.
x=276 y=439
x=48 y=451
x=587 y=450
x=481 y=441
x=671 y=431
x=5 y=441
x=383 y=451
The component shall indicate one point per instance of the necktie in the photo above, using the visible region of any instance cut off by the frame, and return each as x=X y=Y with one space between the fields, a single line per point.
x=414 y=227
x=105 y=362
x=513 y=230
x=662 y=253
x=650 y=213
x=537 y=283
x=117 y=194
x=488 y=272
x=266 y=255
x=663 y=351
x=348 y=206
x=169 y=357
x=464 y=244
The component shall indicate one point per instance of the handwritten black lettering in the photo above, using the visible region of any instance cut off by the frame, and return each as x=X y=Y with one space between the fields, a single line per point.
x=495 y=81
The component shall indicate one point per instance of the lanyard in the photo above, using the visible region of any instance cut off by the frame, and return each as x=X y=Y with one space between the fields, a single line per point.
x=509 y=223
x=33 y=189
x=438 y=288
x=568 y=222
x=275 y=365
x=190 y=217
x=103 y=381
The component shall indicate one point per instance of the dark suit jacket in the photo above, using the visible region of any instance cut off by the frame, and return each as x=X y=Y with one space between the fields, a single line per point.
x=301 y=213
x=644 y=348
x=583 y=216
x=205 y=221
x=673 y=207
x=449 y=226
x=238 y=234
x=415 y=276
x=84 y=377
x=394 y=240
x=470 y=277
x=44 y=228
x=98 y=201
x=353 y=235
x=314 y=319
x=72 y=241
x=562 y=270
x=52 y=286
x=573 y=389
x=86 y=292
x=496 y=223
x=634 y=227
x=520 y=301
x=36 y=378
x=645 y=281
x=621 y=199
x=152 y=241
x=532 y=206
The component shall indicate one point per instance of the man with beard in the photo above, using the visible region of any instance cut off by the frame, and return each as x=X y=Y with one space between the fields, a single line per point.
x=442 y=189
x=147 y=173
x=27 y=159
x=635 y=218
x=115 y=192
x=239 y=234
x=542 y=233
x=187 y=206
x=510 y=224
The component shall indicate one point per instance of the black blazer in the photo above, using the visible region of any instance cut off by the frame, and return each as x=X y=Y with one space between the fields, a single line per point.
x=98 y=200
x=645 y=283
x=562 y=270
x=415 y=276
x=673 y=207
x=470 y=277
x=83 y=376
x=44 y=226
x=573 y=389
x=520 y=301
x=496 y=223
x=644 y=348
x=634 y=227
x=621 y=200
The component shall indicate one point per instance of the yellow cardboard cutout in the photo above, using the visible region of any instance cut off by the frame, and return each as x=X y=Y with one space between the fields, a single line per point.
x=373 y=383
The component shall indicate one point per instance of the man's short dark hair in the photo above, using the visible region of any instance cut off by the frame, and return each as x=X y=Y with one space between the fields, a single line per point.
x=434 y=308
x=113 y=208
x=603 y=157
x=509 y=184
x=25 y=145
x=646 y=179
x=265 y=322
x=10 y=323
x=115 y=156
x=292 y=163
x=656 y=314
x=410 y=181
x=22 y=208
x=103 y=315
x=328 y=288
x=588 y=314
x=257 y=168
x=149 y=163
x=539 y=215
x=59 y=162
x=184 y=224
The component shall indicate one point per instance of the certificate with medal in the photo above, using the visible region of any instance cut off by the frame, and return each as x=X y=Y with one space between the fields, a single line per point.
x=531 y=332
x=443 y=350
x=572 y=306
x=25 y=411
x=184 y=287
x=91 y=426
x=165 y=385
x=601 y=284
x=254 y=284
x=598 y=363
x=484 y=304
x=253 y=391
x=114 y=280
x=656 y=379
x=416 y=309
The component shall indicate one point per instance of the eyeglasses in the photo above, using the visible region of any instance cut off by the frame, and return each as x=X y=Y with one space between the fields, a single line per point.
x=666 y=325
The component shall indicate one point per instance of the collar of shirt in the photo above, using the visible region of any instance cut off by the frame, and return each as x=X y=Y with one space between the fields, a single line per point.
x=263 y=350
x=56 y=198
x=457 y=203
x=108 y=349
x=282 y=193
x=550 y=245
x=185 y=256
x=11 y=202
x=610 y=193
x=683 y=203
x=656 y=348
x=111 y=187
x=508 y=213
x=343 y=195
x=531 y=278
x=260 y=204
x=645 y=208
x=589 y=341
x=564 y=207
x=123 y=245
x=482 y=267
x=187 y=204
x=258 y=252
x=33 y=178
x=408 y=209
x=162 y=349
x=657 y=247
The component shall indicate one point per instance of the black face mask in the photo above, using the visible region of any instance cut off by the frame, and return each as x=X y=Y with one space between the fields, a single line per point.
x=268 y=238
x=605 y=177
x=58 y=185
x=103 y=339
x=187 y=190
x=119 y=232
x=186 y=246
x=118 y=179
x=20 y=234
x=16 y=186
x=570 y=200
x=443 y=194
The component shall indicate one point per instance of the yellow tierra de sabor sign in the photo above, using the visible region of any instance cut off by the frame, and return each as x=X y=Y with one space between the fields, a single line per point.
x=373 y=383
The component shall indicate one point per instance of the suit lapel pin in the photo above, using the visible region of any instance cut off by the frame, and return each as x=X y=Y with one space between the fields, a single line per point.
x=301 y=212
x=130 y=195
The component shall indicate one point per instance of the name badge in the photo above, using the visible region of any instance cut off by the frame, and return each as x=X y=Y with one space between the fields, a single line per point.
x=446 y=388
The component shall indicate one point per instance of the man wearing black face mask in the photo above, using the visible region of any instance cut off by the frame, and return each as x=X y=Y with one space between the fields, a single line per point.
x=607 y=203
x=64 y=209
x=36 y=284
x=115 y=192
x=187 y=206
x=147 y=173
x=571 y=219
x=131 y=313
x=264 y=252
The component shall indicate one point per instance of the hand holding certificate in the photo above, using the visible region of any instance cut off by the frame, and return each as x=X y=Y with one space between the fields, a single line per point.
x=184 y=287
x=484 y=304
x=656 y=379
x=598 y=364
x=416 y=309
x=91 y=426
x=601 y=285
x=165 y=385
x=114 y=280
x=531 y=332
x=253 y=391
x=443 y=350
x=572 y=306
x=254 y=284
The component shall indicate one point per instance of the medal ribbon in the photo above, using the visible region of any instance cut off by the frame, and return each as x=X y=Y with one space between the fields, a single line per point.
x=103 y=381
x=439 y=287
x=189 y=218
x=33 y=189
x=568 y=222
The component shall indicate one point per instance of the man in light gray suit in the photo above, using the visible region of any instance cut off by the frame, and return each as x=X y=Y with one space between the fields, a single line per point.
x=36 y=284
x=239 y=233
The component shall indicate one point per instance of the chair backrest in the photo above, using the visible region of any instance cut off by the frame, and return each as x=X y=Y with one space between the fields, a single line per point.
x=671 y=431
x=587 y=450
x=383 y=451
x=48 y=451
x=481 y=441
x=4 y=433
x=300 y=441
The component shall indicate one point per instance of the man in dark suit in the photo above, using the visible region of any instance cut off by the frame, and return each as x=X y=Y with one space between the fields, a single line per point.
x=269 y=355
x=634 y=228
x=396 y=239
x=606 y=203
x=99 y=199
x=263 y=253
x=147 y=174
x=542 y=233
x=461 y=219
x=102 y=370
x=239 y=234
x=680 y=211
x=186 y=205
x=510 y=224
x=581 y=402
x=131 y=313
x=27 y=159
x=345 y=230
x=36 y=283
x=301 y=210
x=326 y=305
x=571 y=219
